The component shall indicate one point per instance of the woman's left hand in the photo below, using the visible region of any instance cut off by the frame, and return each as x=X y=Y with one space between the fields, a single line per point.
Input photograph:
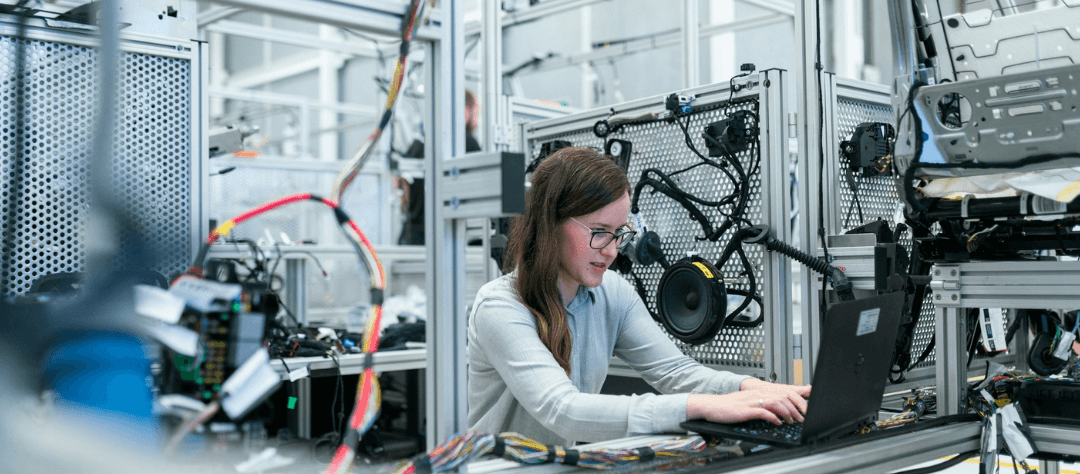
x=786 y=401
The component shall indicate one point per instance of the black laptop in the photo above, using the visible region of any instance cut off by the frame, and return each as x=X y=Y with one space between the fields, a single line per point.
x=857 y=341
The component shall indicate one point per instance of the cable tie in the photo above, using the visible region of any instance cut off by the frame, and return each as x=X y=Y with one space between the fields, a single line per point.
x=421 y=464
x=572 y=457
x=385 y=118
x=341 y=216
x=403 y=51
x=964 y=206
x=376 y=297
x=369 y=360
x=352 y=439
x=646 y=454
x=551 y=455
x=500 y=447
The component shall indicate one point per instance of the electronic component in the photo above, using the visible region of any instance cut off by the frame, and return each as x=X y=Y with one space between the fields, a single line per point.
x=678 y=104
x=1052 y=345
x=620 y=150
x=232 y=323
x=1049 y=399
x=870 y=148
x=732 y=134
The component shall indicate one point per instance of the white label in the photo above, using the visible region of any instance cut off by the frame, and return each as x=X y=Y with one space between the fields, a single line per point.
x=298 y=374
x=1064 y=346
x=639 y=223
x=992 y=329
x=868 y=321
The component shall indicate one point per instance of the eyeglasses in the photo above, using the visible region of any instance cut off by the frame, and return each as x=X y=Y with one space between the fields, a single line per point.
x=601 y=238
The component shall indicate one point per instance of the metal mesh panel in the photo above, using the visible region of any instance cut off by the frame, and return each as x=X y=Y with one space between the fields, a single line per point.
x=662 y=145
x=873 y=197
x=151 y=161
x=877 y=198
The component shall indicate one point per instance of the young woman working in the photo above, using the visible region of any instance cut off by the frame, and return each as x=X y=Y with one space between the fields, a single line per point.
x=540 y=337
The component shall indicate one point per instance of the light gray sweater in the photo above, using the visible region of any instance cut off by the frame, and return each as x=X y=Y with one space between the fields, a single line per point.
x=516 y=385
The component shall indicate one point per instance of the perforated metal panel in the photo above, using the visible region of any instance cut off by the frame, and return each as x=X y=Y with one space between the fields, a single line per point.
x=662 y=145
x=873 y=198
x=856 y=103
x=152 y=161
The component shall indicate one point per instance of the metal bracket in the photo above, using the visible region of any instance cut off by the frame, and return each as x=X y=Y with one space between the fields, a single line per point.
x=946 y=285
x=488 y=185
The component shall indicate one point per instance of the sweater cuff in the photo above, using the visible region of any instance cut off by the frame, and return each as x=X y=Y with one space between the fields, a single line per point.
x=732 y=385
x=662 y=414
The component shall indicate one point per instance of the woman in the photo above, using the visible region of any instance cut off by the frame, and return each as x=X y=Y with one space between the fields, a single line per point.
x=540 y=337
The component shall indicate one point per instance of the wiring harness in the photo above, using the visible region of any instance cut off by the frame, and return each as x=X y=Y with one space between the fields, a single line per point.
x=419 y=11
x=463 y=448
x=368 y=396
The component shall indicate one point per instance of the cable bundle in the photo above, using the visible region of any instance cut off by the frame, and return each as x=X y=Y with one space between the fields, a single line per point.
x=348 y=174
x=915 y=407
x=369 y=395
x=464 y=448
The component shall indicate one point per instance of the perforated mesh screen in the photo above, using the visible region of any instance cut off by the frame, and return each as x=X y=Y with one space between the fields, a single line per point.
x=151 y=159
x=662 y=145
x=877 y=198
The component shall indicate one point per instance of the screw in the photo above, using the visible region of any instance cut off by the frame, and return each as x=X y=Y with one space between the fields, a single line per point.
x=937 y=297
x=954 y=297
x=937 y=272
x=455 y=172
x=952 y=273
x=454 y=203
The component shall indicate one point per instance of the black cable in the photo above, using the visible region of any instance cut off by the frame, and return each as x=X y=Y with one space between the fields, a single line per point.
x=854 y=185
x=818 y=68
x=959 y=458
x=663 y=188
x=337 y=415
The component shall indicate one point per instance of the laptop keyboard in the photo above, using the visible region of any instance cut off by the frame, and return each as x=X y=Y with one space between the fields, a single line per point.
x=790 y=433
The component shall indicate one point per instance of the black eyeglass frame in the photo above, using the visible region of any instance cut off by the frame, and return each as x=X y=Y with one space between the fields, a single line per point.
x=621 y=239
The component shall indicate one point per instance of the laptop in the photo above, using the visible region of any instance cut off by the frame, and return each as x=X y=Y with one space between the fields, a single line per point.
x=857 y=341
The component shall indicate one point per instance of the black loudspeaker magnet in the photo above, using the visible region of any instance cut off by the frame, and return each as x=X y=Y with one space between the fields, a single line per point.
x=1040 y=358
x=692 y=301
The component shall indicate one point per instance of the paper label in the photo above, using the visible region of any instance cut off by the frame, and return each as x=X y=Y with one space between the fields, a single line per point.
x=1063 y=348
x=868 y=321
x=298 y=374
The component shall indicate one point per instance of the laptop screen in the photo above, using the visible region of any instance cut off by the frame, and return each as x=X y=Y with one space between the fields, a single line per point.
x=857 y=341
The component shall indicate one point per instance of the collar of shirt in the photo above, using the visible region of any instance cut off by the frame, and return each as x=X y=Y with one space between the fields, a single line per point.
x=583 y=294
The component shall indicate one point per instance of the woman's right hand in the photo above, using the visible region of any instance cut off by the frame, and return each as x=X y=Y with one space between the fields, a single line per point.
x=774 y=406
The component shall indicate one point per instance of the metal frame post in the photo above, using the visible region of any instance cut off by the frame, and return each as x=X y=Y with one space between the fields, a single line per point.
x=808 y=172
x=691 y=44
x=780 y=360
x=491 y=36
x=445 y=247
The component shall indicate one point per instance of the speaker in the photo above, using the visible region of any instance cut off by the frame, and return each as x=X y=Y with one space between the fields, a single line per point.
x=1040 y=359
x=692 y=301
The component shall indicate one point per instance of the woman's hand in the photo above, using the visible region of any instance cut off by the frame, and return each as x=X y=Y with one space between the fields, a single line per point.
x=754 y=400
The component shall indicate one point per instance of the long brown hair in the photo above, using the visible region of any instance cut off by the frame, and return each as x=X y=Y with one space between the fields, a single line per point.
x=571 y=182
